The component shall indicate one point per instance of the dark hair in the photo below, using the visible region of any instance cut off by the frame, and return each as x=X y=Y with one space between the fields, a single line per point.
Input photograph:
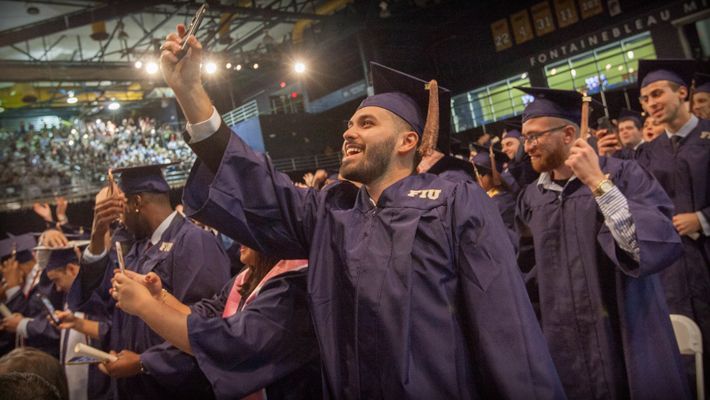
x=637 y=122
x=403 y=126
x=31 y=360
x=257 y=272
x=26 y=385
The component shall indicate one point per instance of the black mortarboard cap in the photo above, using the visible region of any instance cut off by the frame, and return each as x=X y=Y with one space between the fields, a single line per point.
x=22 y=245
x=408 y=97
x=566 y=104
x=702 y=83
x=144 y=178
x=626 y=114
x=678 y=71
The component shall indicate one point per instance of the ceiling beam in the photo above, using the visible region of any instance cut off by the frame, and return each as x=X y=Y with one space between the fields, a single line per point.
x=21 y=71
x=72 y=20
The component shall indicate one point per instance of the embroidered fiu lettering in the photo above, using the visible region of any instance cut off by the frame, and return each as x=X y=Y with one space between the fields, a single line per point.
x=431 y=194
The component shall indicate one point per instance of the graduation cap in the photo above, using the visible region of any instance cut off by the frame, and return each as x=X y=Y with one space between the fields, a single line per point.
x=58 y=257
x=144 y=178
x=678 y=71
x=482 y=159
x=566 y=104
x=513 y=133
x=702 y=83
x=408 y=97
x=626 y=115
x=21 y=245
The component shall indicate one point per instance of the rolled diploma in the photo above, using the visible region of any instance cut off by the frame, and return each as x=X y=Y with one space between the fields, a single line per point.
x=4 y=310
x=86 y=350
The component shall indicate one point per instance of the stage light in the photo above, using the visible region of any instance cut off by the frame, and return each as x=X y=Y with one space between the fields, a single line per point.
x=210 y=67
x=151 y=68
x=299 y=67
x=255 y=66
x=72 y=100
x=238 y=67
x=114 y=106
x=138 y=64
x=228 y=65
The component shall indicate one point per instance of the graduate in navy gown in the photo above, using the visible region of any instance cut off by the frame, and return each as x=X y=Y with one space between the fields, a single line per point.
x=413 y=285
x=190 y=262
x=630 y=127
x=253 y=340
x=493 y=184
x=519 y=166
x=700 y=102
x=602 y=230
x=680 y=161
x=27 y=281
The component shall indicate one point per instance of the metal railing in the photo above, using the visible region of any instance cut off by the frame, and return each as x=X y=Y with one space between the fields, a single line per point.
x=245 y=111
x=19 y=199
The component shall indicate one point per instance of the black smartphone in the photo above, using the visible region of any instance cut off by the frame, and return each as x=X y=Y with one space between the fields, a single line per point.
x=49 y=307
x=605 y=123
x=194 y=26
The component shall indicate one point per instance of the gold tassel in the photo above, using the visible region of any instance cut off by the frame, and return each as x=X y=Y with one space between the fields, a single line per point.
x=430 y=134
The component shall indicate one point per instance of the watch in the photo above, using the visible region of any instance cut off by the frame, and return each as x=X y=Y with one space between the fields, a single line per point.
x=603 y=187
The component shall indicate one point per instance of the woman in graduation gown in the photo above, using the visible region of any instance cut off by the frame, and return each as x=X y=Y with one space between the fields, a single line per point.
x=254 y=339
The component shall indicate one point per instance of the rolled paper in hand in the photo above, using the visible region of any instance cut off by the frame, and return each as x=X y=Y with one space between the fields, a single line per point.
x=119 y=255
x=86 y=350
x=4 y=310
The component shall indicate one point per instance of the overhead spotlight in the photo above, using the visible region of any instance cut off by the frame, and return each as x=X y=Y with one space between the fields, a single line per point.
x=228 y=65
x=210 y=67
x=255 y=66
x=238 y=67
x=114 y=106
x=138 y=64
x=151 y=68
x=299 y=67
x=72 y=100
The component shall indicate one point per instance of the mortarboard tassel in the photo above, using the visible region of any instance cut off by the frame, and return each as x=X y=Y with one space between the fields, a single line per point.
x=430 y=133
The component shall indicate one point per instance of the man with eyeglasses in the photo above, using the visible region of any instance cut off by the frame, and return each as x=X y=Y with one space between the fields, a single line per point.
x=601 y=229
x=680 y=159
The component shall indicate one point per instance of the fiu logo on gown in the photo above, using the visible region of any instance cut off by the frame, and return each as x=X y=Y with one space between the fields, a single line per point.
x=431 y=194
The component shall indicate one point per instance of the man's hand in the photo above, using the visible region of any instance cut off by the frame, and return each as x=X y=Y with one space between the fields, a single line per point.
x=43 y=210
x=686 y=223
x=12 y=273
x=61 y=209
x=151 y=281
x=184 y=75
x=607 y=143
x=67 y=320
x=127 y=365
x=584 y=162
x=110 y=204
x=54 y=238
x=130 y=295
x=10 y=323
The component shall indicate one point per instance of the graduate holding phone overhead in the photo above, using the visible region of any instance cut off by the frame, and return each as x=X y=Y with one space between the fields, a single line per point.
x=407 y=299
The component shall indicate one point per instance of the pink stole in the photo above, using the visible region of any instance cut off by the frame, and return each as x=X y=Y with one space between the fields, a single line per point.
x=232 y=305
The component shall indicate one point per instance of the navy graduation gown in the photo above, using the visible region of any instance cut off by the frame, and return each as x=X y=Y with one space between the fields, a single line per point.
x=416 y=297
x=269 y=344
x=603 y=314
x=685 y=176
x=195 y=266
x=40 y=333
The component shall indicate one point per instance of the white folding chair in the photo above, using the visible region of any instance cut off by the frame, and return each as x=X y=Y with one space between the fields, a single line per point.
x=690 y=342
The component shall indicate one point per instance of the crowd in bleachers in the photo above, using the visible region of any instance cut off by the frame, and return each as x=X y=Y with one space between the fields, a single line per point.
x=38 y=161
